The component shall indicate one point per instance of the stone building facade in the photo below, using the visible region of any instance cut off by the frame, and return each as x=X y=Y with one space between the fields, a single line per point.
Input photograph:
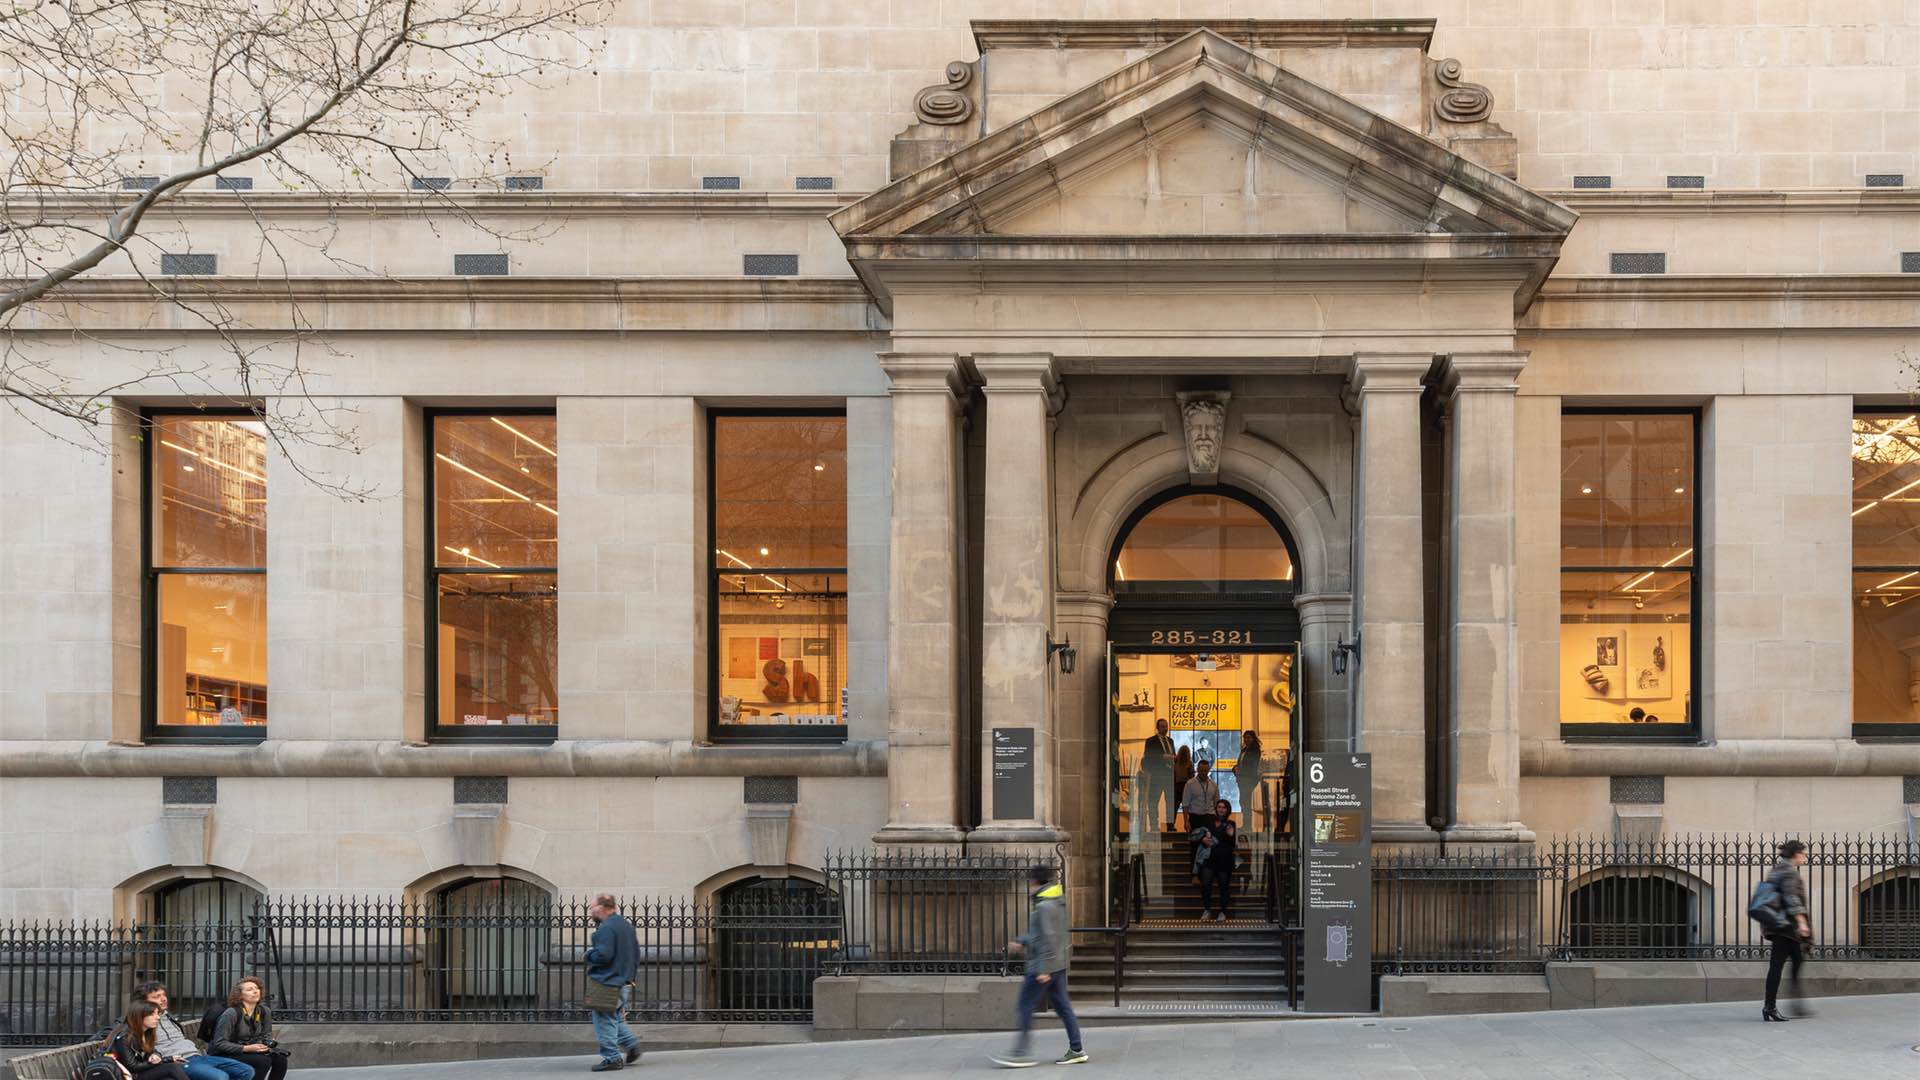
x=1406 y=281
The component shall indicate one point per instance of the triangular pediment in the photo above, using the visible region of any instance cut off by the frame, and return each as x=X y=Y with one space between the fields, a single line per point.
x=1204 y=177
x=1202 y=139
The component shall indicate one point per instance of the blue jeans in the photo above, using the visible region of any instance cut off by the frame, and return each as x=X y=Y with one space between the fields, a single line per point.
x=209 y=1067
x=612 y=1032
x=1055 y=992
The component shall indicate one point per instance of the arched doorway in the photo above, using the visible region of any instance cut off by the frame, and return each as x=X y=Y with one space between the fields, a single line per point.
x=490 y=948
x=1202 y=666
x=205 y=933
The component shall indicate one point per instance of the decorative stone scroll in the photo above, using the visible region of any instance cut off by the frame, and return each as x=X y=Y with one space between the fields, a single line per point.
x=940 y=115
x=1459 y=101
x=1462 y=121
x=948 y=103
x=1203 y=415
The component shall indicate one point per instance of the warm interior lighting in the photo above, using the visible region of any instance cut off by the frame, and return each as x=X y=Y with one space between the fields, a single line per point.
x=184 y=467
x=764 y=552
x=467 y=553
x=1864 y=447
x=1586 y=491
x=547 y=508
x=1885 y=498
x=215 y=462
x=485 y=478
x=819 y=467
x=527 y=437
x=1895 y=581
x=1628 y=587
x=1679 y=491
x=745 y=565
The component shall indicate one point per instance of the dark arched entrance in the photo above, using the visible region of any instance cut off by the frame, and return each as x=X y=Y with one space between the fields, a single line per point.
x=1203 y=643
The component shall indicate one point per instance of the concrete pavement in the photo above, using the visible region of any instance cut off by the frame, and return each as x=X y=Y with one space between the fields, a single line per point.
x=1863 y=1038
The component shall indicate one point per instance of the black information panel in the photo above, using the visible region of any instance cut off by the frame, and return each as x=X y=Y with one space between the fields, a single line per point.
x=1012 y=773
x=1337 y=887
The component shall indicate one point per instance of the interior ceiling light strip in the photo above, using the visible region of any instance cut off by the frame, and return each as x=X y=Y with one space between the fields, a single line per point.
x=1886 y=498
x=467 y=553
x=488 y=479
x=215 y=462
x=1880 y=437
x=1897 y=580
x=1628 y=587
x=782 y=586
x=527 y=437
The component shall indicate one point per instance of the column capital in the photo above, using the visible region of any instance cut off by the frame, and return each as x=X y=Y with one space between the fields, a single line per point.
x=923 y=373
x=1496 y=372
x=1395 y=372
x=1032 y=373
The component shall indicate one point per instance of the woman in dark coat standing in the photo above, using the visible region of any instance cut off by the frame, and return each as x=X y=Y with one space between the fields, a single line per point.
x=1790 y=941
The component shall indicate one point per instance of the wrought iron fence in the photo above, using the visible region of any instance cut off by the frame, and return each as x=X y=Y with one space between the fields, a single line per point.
x=1516 y=907
x=930 y=912
x=739 y=958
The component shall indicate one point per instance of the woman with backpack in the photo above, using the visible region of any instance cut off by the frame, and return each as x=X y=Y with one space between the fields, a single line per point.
x=134 y=1046
x=1791 y=935
x=245 y=1031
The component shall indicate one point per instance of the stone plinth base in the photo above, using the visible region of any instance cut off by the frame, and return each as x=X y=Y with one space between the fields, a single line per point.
x=1603 y=984
x=866 y=1006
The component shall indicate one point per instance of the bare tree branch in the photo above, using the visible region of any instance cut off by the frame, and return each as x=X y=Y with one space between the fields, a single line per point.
x=342 y=99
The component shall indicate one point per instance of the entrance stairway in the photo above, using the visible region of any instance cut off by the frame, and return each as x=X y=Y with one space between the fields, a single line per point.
x=1173 y=962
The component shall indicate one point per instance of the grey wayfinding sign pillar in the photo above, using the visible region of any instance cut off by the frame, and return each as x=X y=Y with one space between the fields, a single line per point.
x=1337 y=881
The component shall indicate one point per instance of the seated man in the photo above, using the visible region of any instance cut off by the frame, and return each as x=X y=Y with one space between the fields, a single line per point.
x=170 y=1041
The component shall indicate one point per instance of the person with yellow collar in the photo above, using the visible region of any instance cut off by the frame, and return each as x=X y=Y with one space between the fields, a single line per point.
x=1045 y=946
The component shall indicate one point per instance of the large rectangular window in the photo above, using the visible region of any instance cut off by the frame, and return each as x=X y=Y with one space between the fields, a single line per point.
x=1628 y=587
x=778 y=575
x=1886 y=574
x=493 y=651
x=206 y=577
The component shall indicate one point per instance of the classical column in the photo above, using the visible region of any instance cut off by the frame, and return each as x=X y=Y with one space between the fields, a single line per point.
x=1017 y=580
x=1483 y=711
x=923 y=603
x=1389 y=613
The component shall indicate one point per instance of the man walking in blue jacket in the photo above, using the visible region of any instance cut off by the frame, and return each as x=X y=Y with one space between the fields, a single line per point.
x=611 y=962
x=1045 y=944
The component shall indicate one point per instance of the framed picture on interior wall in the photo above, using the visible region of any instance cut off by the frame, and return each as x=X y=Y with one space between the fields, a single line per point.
x=742 y=657
x=817 y=646
x=1647 y=674
x=1606 y=651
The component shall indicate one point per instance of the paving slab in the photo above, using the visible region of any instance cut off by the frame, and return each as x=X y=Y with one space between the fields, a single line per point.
x=1862 y=1038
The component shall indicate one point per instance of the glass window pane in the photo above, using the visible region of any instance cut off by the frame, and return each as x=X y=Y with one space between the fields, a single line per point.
x=1626 y=496
x=209 y=492
x=1626 y=648
x=783 y=648
x=1886 y=490
x=498 y=649
x=1203 y=538
x=494 y=491
x=210 y=657
x=780 y=492
x=1886 y=647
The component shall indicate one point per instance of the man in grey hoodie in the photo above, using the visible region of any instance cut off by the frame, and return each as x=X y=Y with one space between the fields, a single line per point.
x=1045 y=944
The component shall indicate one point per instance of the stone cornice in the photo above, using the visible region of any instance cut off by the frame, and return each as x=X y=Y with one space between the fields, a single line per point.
x=1816 y=201
x=378 y=204
x=321 y=757
x=470 y=304
x=924 y=373
x=1725 y=302
x=991 y=34
x=1490 y=372
x=1733 y=757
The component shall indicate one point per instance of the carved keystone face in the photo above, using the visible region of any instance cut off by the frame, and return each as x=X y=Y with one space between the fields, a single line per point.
x=1206 y=423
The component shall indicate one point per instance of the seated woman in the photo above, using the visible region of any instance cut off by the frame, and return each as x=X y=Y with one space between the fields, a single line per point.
x=245 y=1031
x=133 y=1046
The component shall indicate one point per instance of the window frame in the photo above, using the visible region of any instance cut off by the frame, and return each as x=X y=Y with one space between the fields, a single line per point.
x=151 y=730
x=436 y=732
x=1687 y=733
x=757 y=733
x=1878 y=732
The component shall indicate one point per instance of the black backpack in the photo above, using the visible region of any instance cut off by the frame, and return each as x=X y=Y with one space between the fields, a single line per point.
x=210 y=1021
